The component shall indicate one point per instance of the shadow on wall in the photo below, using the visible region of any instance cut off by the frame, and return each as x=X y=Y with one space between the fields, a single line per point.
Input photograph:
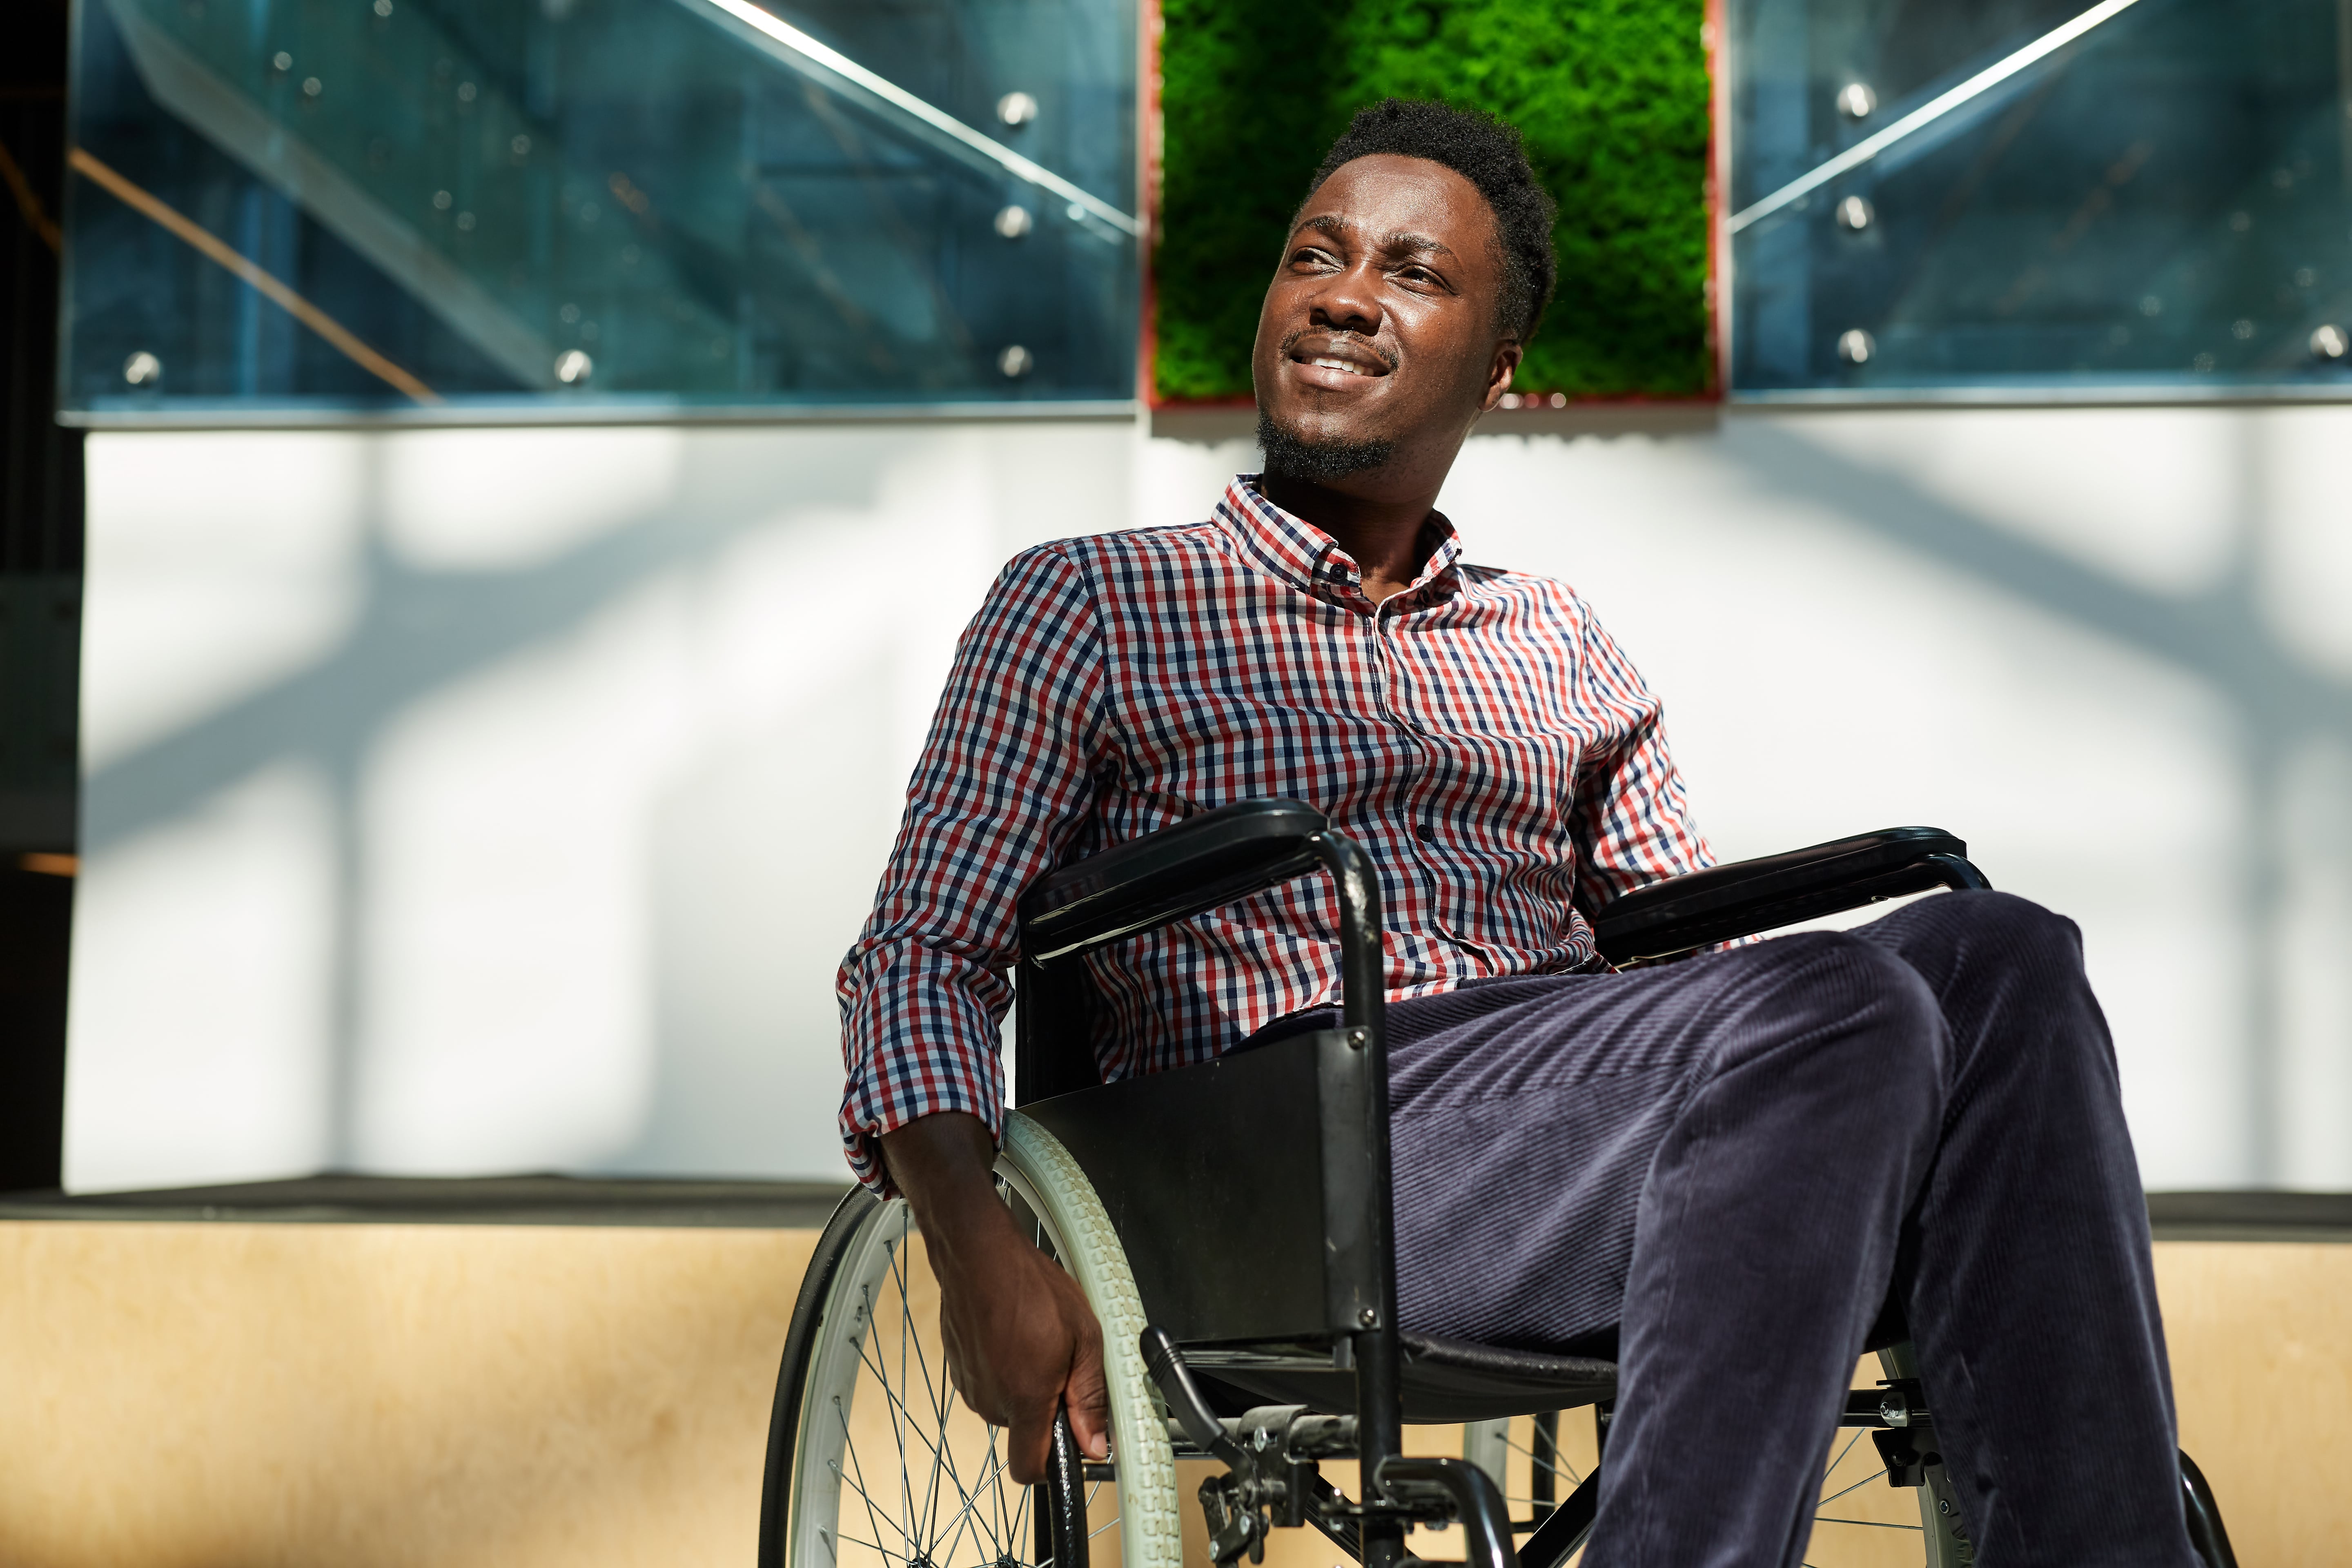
x=2231 y=629
x=2105 y=645
x=466 y=801
x=732 y=981
x=482 y=800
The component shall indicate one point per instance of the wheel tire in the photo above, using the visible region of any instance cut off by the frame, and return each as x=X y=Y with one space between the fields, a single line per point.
x=864 y=1348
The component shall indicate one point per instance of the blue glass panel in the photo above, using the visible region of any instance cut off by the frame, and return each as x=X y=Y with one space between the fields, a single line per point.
x=618 y=204
x=2161 y=205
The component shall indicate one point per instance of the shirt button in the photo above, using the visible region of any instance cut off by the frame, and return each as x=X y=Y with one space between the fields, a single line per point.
x=1424 y=832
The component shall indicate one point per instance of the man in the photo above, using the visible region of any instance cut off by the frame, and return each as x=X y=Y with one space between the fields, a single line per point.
x=1737 y=1159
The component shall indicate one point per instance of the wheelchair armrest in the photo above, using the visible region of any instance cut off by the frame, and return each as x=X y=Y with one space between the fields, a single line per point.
x=1749 y=896
x=1199 y=864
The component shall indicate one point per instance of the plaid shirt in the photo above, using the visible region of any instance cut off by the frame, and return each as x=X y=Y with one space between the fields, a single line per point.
x=1478 y=735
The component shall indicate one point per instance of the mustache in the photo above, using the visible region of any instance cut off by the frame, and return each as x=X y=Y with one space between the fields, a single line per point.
x=1343 y=335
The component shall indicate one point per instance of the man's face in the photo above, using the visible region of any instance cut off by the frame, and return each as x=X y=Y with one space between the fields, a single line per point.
x=1380 y=327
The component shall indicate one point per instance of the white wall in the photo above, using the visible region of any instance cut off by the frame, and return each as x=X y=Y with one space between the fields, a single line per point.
x=464 y=801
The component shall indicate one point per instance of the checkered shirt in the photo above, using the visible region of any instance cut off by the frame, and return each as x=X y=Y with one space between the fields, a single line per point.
x=1479 y=734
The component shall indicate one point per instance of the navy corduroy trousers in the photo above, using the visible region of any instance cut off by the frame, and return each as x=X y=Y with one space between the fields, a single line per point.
x=1739 y=1158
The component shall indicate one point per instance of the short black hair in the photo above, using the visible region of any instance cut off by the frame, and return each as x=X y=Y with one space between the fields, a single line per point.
x=1487 y=152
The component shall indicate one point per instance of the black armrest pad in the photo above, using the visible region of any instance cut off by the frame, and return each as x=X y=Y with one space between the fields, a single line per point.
x=1199 y=864
x=1749 y=896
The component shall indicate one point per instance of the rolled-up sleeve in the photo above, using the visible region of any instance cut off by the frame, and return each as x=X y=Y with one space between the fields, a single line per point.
x=1005 y=780
x=1632 y=822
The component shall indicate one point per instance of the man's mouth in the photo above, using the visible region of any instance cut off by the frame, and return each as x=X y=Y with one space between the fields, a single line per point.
x=1346 y=355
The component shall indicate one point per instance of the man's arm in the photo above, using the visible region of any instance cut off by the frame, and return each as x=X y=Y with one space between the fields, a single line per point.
x=1005 y=780
x=1631 y=821
x=1022 y=1343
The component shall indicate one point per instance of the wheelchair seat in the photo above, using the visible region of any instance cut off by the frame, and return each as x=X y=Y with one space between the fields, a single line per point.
x=1443 y=1381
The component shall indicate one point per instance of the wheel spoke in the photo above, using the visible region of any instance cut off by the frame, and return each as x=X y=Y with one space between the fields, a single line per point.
x=906 y=1338
x=911 y=1339
x=1855 y=1487
x=899 y=1406
x=1873 y=1524
x=1021 y=1514
x=970 y=1501
x=1012 y=1522
x=1841 y=1453
x=965 y=1519
x=899 y=1419
x=956 y=1506
x=939 y=1409
x=880 y=1522
x=1562 y=1469
x=946 y=1449
x=1092 y=1494
x=991 y=1471
x=902 y=1417
x=980 y=1487
x=872 y=1513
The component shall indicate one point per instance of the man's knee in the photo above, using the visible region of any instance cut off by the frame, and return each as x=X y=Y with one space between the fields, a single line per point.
x=2008 y=976
x=2018 y=925
x=1839 y=996
x=1973 y=945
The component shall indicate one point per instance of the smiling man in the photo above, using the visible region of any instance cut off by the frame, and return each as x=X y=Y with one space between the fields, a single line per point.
x=1727 y=1166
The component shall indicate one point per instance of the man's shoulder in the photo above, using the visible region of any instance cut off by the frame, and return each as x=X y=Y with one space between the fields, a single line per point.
x=1091 y=554
x=1546 y=595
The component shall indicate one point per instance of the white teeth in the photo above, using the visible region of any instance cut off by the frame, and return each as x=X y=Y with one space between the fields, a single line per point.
x=1352 y=369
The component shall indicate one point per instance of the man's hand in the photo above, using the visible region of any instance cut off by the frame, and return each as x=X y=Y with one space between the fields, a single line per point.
x=1022 y=1343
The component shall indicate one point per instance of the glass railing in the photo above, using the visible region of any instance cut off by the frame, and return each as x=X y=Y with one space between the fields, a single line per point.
x=2041 y=198
x=621 y=205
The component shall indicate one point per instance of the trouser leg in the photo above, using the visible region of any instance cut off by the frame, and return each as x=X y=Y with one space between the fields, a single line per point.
x=1720 y=1153
x=1765 y=1240
x=1737 y=1156
x=2024 y=1264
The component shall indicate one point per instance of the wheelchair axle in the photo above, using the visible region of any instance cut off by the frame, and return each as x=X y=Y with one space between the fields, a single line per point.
x=1895 y=1402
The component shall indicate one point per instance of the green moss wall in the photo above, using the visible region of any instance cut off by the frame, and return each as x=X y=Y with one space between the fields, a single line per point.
x=1611 y=94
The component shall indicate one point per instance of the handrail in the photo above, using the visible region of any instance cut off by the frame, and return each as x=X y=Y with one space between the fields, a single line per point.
x=832 y=70
x=1926 y=114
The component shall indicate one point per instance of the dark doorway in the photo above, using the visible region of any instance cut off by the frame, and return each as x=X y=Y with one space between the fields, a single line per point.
x=40 y=601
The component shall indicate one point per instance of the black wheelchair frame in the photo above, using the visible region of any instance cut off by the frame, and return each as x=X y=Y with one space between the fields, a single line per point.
x=1300 y=1309
x=1271 y=1331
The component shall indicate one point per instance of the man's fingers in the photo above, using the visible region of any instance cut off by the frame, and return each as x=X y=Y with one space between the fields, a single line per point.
x=1086 y=1396
x=1029 y=1442
x=951 y=1353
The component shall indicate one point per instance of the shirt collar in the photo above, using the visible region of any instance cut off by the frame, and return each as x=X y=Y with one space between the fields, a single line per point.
x=1298 y=553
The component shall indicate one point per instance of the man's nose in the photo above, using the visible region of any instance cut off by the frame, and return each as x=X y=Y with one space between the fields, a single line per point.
x=1349 y=300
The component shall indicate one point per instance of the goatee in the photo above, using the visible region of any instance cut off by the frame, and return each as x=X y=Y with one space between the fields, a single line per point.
x=1292 y=457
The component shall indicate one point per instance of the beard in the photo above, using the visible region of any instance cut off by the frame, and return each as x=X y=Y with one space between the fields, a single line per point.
x=1290 y=455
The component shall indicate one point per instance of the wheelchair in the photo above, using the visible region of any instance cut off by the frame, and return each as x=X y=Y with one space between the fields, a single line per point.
x=1230 y=1224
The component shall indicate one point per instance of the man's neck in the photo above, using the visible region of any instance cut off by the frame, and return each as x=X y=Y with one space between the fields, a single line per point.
x=1385 y=536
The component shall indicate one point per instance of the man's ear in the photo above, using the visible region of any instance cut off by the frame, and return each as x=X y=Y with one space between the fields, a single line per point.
x=1506 y=363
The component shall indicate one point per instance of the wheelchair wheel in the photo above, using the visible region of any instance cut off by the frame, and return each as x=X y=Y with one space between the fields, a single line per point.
x=873 y=1461
x=1859 y=1520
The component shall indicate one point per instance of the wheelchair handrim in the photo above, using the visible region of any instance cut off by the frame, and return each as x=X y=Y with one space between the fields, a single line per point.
x=940 y=1519
x=1036 y=1167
